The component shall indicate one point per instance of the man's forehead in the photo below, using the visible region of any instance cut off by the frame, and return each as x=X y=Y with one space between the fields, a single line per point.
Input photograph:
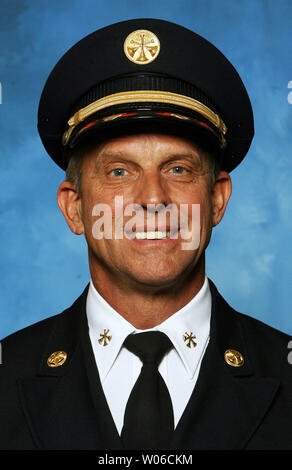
x=154 y=146
x=130 y=142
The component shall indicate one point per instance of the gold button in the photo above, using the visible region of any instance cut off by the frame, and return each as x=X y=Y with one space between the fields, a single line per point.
x=141 y=46
x=233 y=358
x=57 y=359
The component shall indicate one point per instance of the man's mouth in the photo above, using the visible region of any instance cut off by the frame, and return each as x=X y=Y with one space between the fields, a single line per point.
x=157 y=235
x=153 y=234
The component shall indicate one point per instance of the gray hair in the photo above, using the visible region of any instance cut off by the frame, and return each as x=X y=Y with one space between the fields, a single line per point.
x=74 y=171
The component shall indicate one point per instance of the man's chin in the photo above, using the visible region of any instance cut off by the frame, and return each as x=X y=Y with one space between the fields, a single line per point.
x=146 y=280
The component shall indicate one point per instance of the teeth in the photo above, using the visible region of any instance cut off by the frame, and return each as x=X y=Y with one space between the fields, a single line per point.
x=152 y=235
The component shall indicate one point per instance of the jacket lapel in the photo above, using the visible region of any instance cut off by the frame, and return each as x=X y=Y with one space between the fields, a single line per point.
x=228 y=403
x=65 y=406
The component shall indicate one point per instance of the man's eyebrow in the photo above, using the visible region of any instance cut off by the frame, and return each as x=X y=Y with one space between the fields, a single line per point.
x=188 y=156
x=192 y=157
x=170 y=156
x=108 y=155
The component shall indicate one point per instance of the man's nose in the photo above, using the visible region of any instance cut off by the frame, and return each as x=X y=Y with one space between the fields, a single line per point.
x=152 y=190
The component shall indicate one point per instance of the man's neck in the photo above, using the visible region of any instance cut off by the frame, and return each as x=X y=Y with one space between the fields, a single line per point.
x=148 y=306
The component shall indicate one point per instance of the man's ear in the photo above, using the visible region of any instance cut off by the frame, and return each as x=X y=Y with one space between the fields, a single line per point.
x=70 y=204
x=221 y=193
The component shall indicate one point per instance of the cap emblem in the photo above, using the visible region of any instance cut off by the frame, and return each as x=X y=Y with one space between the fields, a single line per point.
x=141 y=46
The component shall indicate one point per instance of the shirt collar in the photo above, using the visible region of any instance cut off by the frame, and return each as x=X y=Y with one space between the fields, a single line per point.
x=189 y=325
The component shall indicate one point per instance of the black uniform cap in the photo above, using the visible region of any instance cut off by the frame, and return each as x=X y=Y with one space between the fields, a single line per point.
x=141 y=72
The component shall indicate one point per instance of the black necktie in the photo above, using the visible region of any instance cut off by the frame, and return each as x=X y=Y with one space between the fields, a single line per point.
x=148 y=420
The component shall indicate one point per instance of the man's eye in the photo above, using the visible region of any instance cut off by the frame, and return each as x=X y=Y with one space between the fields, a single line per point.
x=178 y=170
x=118 y=172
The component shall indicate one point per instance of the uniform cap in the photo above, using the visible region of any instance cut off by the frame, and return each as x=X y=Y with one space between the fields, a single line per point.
x=145 y=74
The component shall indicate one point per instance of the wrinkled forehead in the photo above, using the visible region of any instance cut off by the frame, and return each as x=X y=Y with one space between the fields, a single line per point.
x=145 y=149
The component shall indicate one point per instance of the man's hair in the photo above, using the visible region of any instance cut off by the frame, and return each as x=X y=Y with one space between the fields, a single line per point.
x=74 y=168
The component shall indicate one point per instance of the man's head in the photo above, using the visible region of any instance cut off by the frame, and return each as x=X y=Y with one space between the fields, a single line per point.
x=145 y=112
x=163 y=178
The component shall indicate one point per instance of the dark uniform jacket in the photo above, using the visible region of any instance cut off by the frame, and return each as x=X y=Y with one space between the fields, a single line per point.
x=247 y=407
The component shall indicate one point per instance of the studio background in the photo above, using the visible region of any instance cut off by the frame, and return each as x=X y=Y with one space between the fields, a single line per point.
x=43 y=265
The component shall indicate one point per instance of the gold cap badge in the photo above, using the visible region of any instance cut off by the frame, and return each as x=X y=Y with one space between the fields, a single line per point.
x=141 y=46
x=233 y=358
x=57 y=359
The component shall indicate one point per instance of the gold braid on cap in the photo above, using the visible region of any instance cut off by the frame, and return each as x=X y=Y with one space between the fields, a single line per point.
x=143 y=96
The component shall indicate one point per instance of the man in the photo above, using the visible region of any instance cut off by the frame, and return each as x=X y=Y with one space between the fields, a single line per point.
x=148 y=119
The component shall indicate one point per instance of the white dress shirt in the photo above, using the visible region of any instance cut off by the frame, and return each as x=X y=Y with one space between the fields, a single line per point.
x=119 y=368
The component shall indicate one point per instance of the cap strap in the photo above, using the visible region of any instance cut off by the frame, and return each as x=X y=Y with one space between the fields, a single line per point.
x=143 y=96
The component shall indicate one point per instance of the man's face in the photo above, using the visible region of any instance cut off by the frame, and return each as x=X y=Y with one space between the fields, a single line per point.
x=142 y=170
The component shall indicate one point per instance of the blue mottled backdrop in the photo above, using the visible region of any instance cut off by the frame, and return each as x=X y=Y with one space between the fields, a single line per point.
x=43 y=265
